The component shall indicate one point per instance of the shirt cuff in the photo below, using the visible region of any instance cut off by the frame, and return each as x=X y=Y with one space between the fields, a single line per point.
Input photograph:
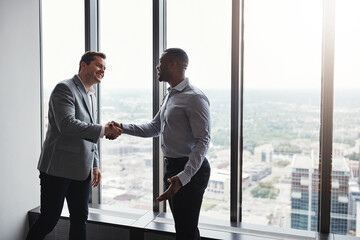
x=184 y=178
x=102 y=132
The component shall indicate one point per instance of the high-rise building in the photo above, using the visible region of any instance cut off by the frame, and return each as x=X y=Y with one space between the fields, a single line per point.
x=264 y=153
x=305 y=197
x=354 y=207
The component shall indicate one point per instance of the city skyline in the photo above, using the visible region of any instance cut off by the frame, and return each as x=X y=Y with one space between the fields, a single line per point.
x=296 y=135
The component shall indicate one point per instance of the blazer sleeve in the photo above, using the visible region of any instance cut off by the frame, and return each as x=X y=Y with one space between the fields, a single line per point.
x=65 y=104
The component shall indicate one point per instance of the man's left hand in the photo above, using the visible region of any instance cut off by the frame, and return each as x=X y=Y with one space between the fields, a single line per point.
x=175 y=185
x=96 y=177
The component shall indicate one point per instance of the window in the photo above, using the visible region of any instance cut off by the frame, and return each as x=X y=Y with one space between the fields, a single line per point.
x=126 y=97
x=62 y=44
x=281 y=113
x=203 y=30
x=281 y=101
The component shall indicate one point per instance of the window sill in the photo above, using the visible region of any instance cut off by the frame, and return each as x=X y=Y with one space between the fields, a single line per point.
x=146 y=224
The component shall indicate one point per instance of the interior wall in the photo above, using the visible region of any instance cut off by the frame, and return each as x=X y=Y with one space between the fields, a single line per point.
x=20 y=142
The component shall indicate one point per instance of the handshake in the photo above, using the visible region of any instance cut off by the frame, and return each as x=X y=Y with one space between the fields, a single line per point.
x=113 y=130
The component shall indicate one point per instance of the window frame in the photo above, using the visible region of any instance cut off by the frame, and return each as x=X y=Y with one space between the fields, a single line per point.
x=236 y=141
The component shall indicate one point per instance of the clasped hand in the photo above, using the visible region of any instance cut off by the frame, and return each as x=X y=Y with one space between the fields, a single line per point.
x=112 y=130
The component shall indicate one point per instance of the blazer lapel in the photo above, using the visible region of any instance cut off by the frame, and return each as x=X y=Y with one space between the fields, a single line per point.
x=81 y=88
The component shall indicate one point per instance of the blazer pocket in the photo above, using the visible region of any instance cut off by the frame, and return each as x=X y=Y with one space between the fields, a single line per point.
x=69 y=148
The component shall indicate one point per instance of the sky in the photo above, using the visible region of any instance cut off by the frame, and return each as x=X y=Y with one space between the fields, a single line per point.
x=282 y=42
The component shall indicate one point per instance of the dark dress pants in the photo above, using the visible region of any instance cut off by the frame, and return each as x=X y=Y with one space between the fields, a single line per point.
x=186 y=203
x=53 y=192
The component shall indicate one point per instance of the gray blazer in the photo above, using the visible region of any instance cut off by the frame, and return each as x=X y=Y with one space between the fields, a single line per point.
x=70 y=149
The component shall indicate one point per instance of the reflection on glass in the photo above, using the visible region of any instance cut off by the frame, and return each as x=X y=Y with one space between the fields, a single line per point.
x=62 y=44
x=281 y=115
x=345 y=193
x=126 y=96
x=203 y=30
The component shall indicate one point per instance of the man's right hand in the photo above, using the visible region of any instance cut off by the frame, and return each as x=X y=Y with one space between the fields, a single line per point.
x=119 y=125
x=112 y=131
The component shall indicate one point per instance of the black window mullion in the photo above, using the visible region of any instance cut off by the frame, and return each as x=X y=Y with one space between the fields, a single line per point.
x=326 y=128
x=236 y=118
x=159 y=44
x=92 y=44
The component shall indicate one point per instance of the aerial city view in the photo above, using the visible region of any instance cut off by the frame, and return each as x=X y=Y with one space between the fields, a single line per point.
x=280 y=173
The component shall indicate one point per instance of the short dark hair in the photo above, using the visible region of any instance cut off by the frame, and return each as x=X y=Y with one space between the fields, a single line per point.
x=178 y=55
x=89 y=56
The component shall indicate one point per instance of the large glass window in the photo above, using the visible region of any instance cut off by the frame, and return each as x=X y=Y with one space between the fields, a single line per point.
x=203 y=30
x=345 y=193
x=126 y=96
x=281 y=105
x=281 y=114
x=62 y=44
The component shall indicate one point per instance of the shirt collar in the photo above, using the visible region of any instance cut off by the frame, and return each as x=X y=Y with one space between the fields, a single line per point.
x=180 y=86
x=90 y=91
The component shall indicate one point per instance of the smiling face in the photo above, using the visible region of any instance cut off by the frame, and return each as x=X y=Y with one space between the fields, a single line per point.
x=94 y=72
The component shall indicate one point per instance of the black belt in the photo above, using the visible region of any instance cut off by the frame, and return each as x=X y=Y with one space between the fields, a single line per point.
x=171 y=161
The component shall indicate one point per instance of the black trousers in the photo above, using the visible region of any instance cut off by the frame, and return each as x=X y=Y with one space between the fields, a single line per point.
x=53 y=192
x=186 y=203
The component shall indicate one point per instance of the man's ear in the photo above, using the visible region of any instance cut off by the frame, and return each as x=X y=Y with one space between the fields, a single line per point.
x=83 y=65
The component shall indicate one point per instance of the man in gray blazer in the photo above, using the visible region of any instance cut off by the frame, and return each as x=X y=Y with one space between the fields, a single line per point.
x=69 y=152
